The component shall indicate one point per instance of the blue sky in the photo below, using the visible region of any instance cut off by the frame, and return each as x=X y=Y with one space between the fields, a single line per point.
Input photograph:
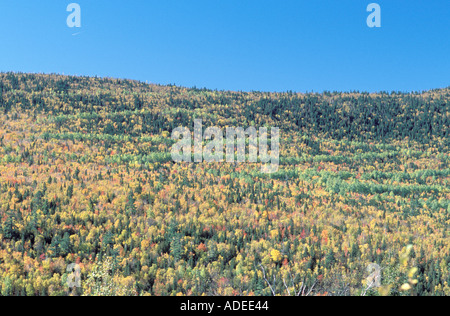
x=246 y=45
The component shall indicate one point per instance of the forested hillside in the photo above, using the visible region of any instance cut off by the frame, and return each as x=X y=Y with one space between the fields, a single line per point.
x=86 y=177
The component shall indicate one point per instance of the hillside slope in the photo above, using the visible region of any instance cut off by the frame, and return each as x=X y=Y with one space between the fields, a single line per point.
x=86 y=177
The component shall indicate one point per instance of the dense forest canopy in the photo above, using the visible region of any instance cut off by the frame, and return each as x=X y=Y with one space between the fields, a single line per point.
x=86 y=177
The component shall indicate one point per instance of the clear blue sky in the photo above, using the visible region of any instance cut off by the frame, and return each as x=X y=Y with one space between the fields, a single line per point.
x=266 y=45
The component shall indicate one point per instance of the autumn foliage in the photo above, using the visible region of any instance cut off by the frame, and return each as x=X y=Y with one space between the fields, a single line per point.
x=86 y=177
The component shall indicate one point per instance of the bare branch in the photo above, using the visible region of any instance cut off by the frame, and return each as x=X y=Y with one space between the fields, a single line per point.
x=287 y=288
x=264 y=275
x=371 y=285
x=311 y=289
